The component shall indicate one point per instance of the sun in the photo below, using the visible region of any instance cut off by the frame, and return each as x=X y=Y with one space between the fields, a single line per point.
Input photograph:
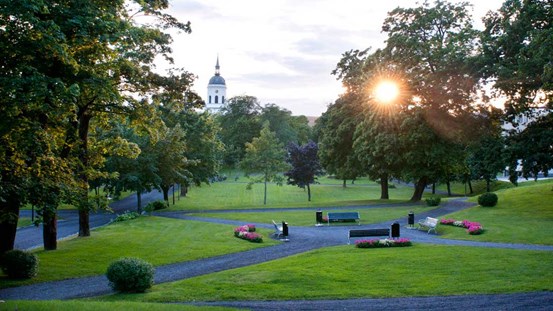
x=386 y=91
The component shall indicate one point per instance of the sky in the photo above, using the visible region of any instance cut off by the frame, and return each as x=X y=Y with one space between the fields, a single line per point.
x=282 y=51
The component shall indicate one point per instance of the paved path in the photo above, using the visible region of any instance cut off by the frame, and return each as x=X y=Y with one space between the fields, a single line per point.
x=302 y=239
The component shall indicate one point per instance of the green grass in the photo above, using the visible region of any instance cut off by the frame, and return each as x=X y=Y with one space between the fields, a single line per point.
x=478 y=187
x=347 y=272
x=71 y=305
x=522 y=215
x=307 y=218
x=24 y=222
x=154 y=239
x=230 y=195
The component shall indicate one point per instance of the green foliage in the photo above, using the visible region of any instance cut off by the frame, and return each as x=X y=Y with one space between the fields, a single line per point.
x=488 y=199
x=130 y=275
x=433 y=200
x=18 y=264
x=127 y=215
x=156 y=205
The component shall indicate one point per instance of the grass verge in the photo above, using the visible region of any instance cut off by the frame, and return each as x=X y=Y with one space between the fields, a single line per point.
x=154 y=239
x=24 y=222
x=307 y=218
x=522 y=215
x=72 y=305
x=347 y=272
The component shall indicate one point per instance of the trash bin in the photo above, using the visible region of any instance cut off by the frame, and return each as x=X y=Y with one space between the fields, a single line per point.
x=395 y=230
x=411 y=219
x=319 y=217
x=284 y=229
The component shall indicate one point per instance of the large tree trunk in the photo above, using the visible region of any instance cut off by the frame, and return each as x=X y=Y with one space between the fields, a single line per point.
x=9 y=215
x=183 y=190
x=487 y=185
x=344 y=183
x=50 y=230
x=470 y=187
x=448 y=188
x=308 y=193
x=84 y=206
x=384 y=193
x=419 y=189
x=165 y=190
x=434 y=188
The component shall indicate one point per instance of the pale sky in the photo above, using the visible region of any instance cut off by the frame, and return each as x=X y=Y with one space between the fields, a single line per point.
x=282 y=51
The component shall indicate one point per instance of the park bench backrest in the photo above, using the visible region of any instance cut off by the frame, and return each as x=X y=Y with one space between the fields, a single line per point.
x=343 y=215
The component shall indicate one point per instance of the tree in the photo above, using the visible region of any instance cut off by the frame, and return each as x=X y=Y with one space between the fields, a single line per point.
x=239 y=123
x=486 y=158
x=288 y=129
x=516 y=54
x=265 y=155
x=305 y=166
x=533 y=147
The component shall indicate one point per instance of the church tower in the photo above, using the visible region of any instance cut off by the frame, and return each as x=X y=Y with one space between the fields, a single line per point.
x=216 y=91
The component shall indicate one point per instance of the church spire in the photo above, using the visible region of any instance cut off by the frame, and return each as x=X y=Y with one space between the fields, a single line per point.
x=217 y=67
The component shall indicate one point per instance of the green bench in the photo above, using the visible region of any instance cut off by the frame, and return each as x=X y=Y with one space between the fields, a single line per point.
x=343 y=216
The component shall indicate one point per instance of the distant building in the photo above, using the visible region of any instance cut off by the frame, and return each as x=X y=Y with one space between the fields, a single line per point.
x=216 y=91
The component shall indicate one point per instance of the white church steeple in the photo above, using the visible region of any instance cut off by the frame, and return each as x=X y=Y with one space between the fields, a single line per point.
x=216 y=91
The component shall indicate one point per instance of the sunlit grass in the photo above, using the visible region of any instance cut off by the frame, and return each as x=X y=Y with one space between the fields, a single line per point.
x=80 y=305
x=348 y=272
x=230 y=195
x=24 y=222
x=522 y=215
x=307 y=218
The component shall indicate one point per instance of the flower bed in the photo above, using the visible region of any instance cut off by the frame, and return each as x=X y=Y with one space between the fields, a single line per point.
x=247 y=232
x=473 y=228
x=373 y=243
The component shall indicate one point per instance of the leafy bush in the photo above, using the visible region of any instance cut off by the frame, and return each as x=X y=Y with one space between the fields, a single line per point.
x=130 y=275
x=156 y=205
x=127 y=215
x=433 y=201
x=488 y=199
x=18 y=264
x=247 y=232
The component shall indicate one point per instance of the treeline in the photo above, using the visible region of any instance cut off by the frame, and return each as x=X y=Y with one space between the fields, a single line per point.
x=442 y=127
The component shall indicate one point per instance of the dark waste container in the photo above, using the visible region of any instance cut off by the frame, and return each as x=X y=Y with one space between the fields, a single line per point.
x=284 y=229
x=395 y=230
x=319 y=217
x=411 y=219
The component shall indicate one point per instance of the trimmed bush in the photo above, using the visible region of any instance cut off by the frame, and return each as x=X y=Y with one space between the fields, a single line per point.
x=156 y=205
x=127 y=215
x=433 y=201
x=18 y=264
x=488 y=199
x=131 y=275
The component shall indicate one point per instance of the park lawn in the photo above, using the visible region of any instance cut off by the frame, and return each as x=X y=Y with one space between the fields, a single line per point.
x=307 y=218
x=155 y=239
x=522 y=215
x=347 y=272
x=230 y=195
x=24 y=222
x=71 y=305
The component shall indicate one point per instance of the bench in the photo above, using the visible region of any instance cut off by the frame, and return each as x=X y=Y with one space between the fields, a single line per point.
x=428 y=223
x=343 y=216
x=278 y=230
x=357 y=233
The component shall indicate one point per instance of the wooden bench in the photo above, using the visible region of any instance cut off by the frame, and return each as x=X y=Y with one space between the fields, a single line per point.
x=357 y=233
x=343 y=216
x=428 y=223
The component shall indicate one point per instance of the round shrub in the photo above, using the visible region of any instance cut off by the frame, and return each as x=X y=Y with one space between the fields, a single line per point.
x=433 y=201
x=18 y=264
x=157 y=205
x=488 y=199
x=130 y=275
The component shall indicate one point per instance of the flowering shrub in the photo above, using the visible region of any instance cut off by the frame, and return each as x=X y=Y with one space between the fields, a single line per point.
x=473 y=228
x=247 y=232
x=373 y=243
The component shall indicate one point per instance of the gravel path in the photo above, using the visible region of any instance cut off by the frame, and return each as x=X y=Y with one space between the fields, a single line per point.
x=303 y=239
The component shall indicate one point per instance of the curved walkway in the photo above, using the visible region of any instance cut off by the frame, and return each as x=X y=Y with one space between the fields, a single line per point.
x=303 y=239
